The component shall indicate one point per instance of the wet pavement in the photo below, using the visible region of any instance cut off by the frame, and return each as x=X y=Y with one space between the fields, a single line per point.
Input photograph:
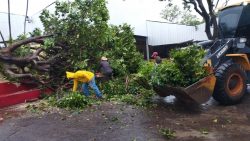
x=120 y=122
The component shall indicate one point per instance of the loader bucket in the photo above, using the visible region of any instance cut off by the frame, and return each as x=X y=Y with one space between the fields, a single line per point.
x=196 y=93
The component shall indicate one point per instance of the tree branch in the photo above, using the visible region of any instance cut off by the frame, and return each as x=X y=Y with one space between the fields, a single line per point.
x=5 y=45
x=203 y=10
x=43 y=68
x=213 y=20
x=13 y=74
x=21 y=61
x=16 y=45
x=195 y=6
x=210 y=6
x=35 y=54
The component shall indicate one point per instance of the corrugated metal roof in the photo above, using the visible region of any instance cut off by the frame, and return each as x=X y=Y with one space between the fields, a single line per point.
x=160 y=33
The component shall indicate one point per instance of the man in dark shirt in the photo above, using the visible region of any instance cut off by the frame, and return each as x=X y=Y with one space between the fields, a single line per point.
x=105 y=68
x=156 y=57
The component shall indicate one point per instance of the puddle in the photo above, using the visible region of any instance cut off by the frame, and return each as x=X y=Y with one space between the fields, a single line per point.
x=248 y=88
x=170 y=99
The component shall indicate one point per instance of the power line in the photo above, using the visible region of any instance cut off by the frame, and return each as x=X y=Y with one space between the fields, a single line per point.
x=12 y=13
x=44 y=8
x=33 y=14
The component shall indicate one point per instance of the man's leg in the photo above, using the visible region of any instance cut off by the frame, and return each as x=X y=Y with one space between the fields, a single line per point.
x=93 y=85
x=107 y=76
x=85 y=89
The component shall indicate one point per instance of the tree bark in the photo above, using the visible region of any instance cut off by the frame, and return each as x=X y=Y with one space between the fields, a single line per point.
x=16 y=45
x=213 y=18
x=206 y=18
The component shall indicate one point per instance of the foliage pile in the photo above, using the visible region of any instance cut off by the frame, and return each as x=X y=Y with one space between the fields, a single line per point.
x=145 y=74
x=71 y=100
x=182 y=69
x=189 y=63
x=128 y=91
x=167 y=73
x=123 y=89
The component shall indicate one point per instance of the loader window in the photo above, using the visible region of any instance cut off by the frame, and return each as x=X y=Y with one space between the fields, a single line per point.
x=228 y=21
x=244 y=24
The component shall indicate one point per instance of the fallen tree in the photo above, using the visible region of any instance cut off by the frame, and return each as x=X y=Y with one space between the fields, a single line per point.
x=28 y=65
x=70 y=44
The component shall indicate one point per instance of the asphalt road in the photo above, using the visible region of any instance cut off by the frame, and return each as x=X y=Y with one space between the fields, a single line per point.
x=121 y=122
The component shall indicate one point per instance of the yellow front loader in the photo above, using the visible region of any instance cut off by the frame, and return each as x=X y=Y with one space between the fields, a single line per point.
x=227 y=60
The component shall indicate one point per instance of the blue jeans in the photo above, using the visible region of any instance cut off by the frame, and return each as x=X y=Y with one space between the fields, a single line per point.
x=93 y=85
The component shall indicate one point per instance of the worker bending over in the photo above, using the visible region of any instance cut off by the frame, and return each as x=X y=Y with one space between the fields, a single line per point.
x=87 y=78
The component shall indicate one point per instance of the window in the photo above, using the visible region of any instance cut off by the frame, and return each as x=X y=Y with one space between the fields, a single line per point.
x=229 y=20
x=244 y=25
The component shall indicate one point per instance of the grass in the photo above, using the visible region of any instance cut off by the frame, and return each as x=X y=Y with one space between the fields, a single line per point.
x=167 y=133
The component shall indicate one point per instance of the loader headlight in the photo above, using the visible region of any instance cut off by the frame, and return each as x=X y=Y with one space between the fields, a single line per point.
x=244 y=3
x=243 y=40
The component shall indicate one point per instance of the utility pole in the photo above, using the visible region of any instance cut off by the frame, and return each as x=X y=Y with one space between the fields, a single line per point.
x=25 y=18
x=147 y=46
x=10 y=38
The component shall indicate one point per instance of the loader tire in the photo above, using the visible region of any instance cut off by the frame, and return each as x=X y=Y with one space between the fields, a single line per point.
x=230 y=86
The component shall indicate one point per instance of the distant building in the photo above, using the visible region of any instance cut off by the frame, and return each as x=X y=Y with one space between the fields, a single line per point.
x=163 y=36
x=161 y=33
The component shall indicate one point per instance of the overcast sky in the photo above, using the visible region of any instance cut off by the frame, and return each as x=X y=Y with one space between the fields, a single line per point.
x=148 y=8
x=133 y=12
x=19 y=6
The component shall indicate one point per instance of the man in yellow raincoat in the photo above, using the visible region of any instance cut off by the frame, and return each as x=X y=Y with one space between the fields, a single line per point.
x=87 y=78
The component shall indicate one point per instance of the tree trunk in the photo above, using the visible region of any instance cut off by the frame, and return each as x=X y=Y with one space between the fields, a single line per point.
x=207 y=28
x=200 y=9
x=215 y=26
x=212 y=16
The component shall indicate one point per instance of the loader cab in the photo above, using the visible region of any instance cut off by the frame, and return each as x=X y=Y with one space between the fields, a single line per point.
x=234 y=21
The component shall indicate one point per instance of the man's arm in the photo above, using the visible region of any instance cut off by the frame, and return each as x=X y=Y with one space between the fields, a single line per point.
x=75 y=85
